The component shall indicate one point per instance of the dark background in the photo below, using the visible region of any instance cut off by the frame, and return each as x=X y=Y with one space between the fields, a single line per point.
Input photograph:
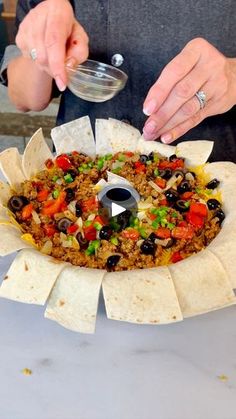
x=3 y=33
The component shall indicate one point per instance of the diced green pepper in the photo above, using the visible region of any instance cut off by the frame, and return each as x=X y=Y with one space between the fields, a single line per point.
x=100 y=163
x=55 y=178
x=143 y=232
x=170 y=226
x=187 y=204
x=92 y=247
x=84 y=165
x=121 y=157
x=116 y=170
x=114 y=241
x=87 y=223
x=156 y=172
x=97 y=226
x=108 y=156
x=155 y=224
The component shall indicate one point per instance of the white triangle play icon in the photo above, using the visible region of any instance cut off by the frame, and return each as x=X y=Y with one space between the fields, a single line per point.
x=116 y=209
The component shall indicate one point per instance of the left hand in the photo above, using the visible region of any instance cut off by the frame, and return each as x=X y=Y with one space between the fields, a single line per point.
x=171 y=102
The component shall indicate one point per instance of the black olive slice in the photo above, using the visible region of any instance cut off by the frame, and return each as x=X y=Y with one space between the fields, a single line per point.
x=181 y=206
x=220 y=215
x=82 y=241
x=148 y=247
x=63 y=224
x=16 y=203
x=70 y=194
x=213 y=204
x=78 y=209
x=112 y=261
x=213 y=184
x=143 y=158
x=184 y=187
x=171 y=195
x=165 y=173
x=105 y=233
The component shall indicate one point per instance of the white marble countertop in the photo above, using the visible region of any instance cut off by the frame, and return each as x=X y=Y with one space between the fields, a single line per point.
x=124 y=371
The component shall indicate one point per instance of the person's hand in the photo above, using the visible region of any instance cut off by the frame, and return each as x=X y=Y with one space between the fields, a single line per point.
x=57 y=37
x=171 y=104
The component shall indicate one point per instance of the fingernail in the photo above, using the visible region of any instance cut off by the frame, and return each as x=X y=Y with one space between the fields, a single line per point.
x=60 y=84
x=71 y=62
x=166 y=138
x=149 y=130
x=150 y=107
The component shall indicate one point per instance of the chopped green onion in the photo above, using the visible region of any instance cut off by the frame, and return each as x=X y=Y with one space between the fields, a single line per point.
x=114 y=225
x=148 y=162
x=108 y=156
x=87 y=223
x=197 y=190
x=155 y=224
x=116 y=170
x=68 y=178
x=121 y=157
x=143 y=232
x=155 y=157
x=156 y=172
x=55 y=193
x=90 y=165
x=174 y=215
x=170 y=226
x=187 y=204
x=55 y=178
x=84 y=165
x=100 y=163
x=80 y=169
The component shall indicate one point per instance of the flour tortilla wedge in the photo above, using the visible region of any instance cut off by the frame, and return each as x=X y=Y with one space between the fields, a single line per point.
x=11 y=167
x=35 y=154
x=201 y=284
x=75 y=135
x=11 y=240
x=74 y=299
x=5 y=193
x=146 y=147
x=223 y=247
x=225 y=172
x=144 y=296
x=113 y=136
x=195 y=152
x=31 y=277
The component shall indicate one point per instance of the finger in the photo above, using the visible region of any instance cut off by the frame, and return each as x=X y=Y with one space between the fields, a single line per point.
x=184 y=127
x=182 y=92
x=77 y=46
x=175 y=71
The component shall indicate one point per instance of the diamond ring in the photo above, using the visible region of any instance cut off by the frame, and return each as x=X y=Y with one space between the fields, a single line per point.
x=33 y=54
x=201 y=96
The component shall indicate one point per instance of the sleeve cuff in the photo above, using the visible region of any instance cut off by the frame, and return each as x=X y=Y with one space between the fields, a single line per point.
x=11 y=52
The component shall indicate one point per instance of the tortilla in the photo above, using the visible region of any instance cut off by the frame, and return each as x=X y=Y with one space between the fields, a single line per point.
x=201 y=284
x=74 y=135
x=144 y=296
x=31 y=277
x=11 y=240
x=35 y=154
x=113 y=136
x=5 y=193
x=74 y=299
x=194 y=152
x=146 y=147
x=4 y=215
x=223 y=247
x=11 y=167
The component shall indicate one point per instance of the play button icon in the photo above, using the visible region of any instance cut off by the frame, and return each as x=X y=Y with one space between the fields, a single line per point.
x=116 y=209
x=118 y=198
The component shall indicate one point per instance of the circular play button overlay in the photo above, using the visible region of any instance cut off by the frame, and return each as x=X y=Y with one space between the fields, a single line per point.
x=118 y=199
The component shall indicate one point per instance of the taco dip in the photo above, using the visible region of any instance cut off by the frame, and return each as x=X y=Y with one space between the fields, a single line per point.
x=167 y=256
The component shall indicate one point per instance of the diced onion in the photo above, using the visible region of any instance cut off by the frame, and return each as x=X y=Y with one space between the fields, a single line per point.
x=154 y=186
x=172 y=181
x=47 y=247
x=162 y=242
x=36 y=217
x=71 y=207
x=140 y=242
x=91 y=217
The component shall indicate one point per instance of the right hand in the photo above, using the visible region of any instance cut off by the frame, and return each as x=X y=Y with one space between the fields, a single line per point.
x=51 y=28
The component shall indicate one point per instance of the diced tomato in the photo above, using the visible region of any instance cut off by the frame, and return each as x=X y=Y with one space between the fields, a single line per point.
x=139 y=167
x=163 y=233
x=130 y=233
x=163 y=202
x=176 y=257
x=72 y=229
x=63 y=162
x=195 y=220
x=90 y=233
x=27 y=211
x=183 y=224
x=75 y=153
x=49 y=164
x=54 y=205
x=100 y=219
x=64 y=206
x=90 y=204
x=186 y=195
x=173 y=165
x=49 y=229
x=128 y=153
x=185 y=233
x=42 y=195
x=151 y=216
x=198 y=208
x=160 y=182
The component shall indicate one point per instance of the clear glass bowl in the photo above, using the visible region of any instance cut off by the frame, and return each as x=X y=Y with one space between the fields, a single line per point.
x=95 y=81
